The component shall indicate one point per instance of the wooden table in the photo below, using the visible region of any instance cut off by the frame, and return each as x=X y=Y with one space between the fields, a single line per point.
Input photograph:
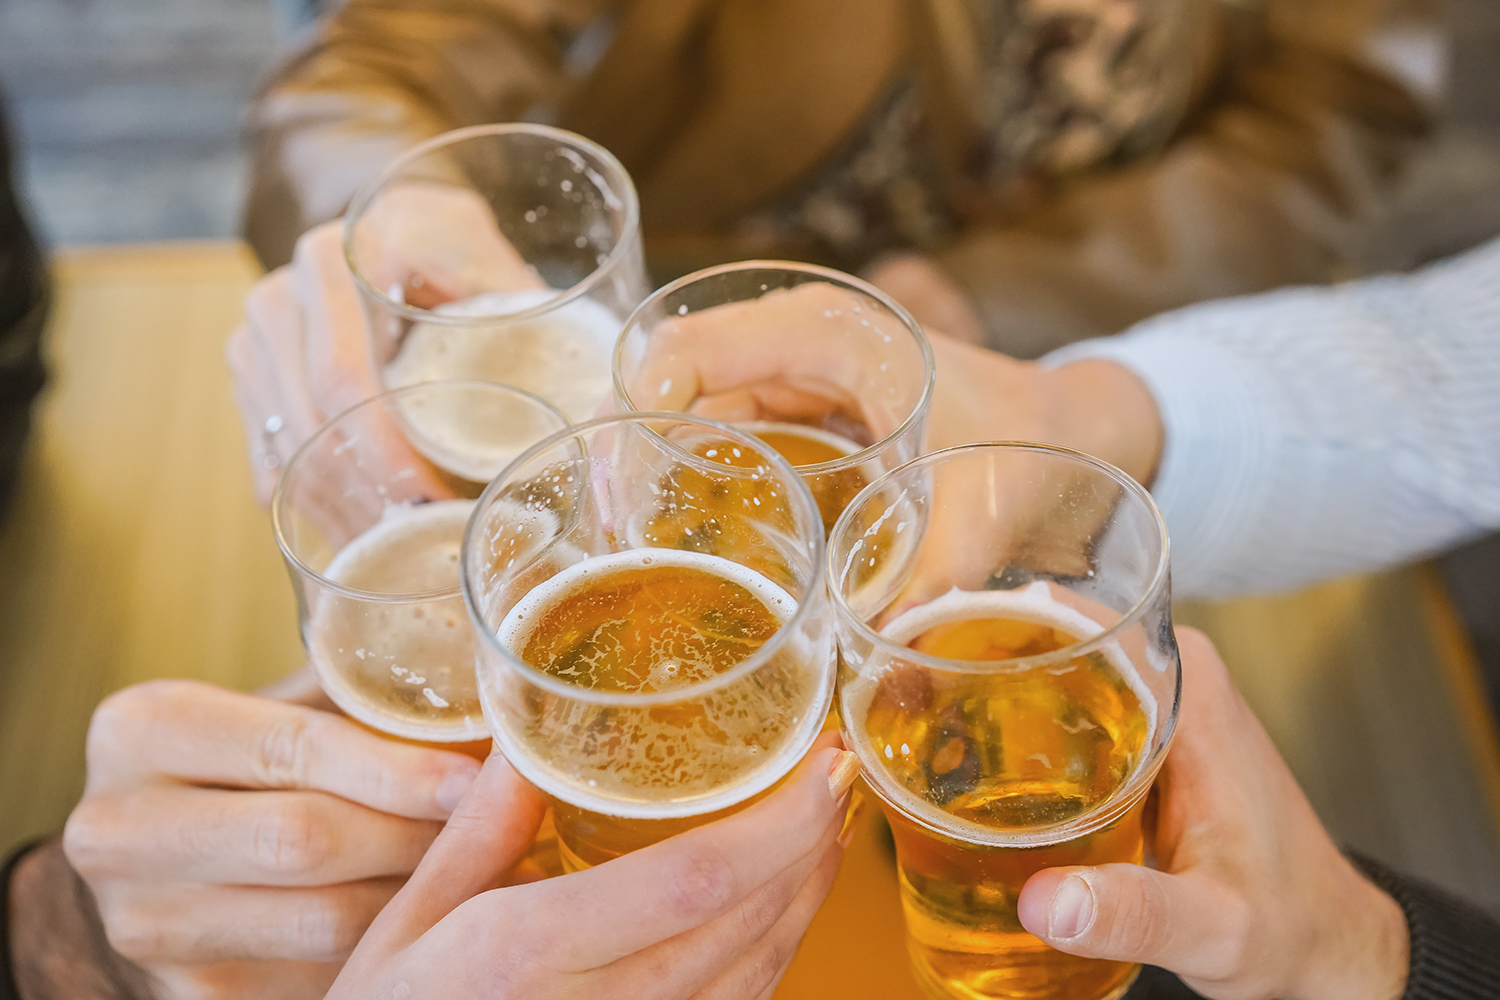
x=135 y=551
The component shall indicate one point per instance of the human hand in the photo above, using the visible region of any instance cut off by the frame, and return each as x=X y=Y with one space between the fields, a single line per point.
x=929 y=294
x=714 y=914
x=238 y=846
x=303 y=353
x=1252 y=899
x=813 y=353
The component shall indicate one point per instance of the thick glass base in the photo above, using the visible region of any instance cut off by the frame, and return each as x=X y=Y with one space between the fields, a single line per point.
x=1017 y=982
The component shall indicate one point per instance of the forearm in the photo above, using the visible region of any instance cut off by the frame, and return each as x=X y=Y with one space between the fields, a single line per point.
x=1314 y=432
x=57 y=943
x=377 y=77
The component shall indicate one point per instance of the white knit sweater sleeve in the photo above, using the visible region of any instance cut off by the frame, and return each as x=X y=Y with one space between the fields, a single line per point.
x=1312 y=432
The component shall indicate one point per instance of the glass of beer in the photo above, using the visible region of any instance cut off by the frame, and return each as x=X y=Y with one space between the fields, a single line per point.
x=369 y=514
x=1009 y=678
x=646 y=680
x=823 y=367
x=507 y=253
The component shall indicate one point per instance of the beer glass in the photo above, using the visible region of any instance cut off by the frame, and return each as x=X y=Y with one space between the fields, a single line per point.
x=1009 y=678
x=508 y=253
x=369 y=514
x=647 y=681
x=823 y=367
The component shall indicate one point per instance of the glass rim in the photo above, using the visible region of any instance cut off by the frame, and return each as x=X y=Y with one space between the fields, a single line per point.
x=1160 y=575
x=800 y=496
x=1139 y=781
x=853 y=459
x=1124 y=798
x=278 y=494
x=366 y=195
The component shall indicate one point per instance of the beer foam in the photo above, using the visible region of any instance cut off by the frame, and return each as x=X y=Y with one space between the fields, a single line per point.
x=412 y=549
x=837 y=442
x=515 y=629
x=563 y=355
x=1033 y=603
x=706 y=752
x=403 y=667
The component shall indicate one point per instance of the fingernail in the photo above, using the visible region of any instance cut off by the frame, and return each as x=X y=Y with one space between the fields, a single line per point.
x=845 y=770
x=451 y=792
x=1072 y=909
x=851 y=819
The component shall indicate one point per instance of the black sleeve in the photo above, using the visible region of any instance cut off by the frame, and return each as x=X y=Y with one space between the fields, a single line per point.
x=8 y=988
x=1455 y=946
x=23 y=312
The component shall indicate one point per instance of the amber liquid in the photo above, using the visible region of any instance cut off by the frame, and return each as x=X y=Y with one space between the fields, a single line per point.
x=805 y=446
x=658 y=628
x=402 y=667
x=735 y=517
x=1000 y=753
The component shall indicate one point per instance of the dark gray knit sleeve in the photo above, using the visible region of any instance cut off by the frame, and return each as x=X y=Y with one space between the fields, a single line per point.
x=1455 y=946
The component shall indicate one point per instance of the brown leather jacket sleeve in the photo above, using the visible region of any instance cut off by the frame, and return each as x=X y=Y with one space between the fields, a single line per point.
x=1286 y=169
x=379 y=75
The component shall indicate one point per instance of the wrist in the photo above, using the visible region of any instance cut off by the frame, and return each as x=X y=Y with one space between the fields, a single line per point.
x=1362 y=950
x=1104 y=409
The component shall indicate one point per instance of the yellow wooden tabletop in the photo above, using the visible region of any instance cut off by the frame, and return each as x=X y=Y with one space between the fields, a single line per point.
x=135 y=551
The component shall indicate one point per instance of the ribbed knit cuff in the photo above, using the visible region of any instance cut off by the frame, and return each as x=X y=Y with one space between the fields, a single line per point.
x=1455 y=946
x=9 y=990
x=1215 y=467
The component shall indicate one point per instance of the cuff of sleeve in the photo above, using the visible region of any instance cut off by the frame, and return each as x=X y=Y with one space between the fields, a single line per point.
x=1215 y=468
x=1455 y=946
x=9 y=989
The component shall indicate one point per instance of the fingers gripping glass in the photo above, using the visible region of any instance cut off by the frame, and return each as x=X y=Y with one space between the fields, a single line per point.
x=369 y=515
x=509 y=253
x=823 y=367
x=644 y=679
x=1009 y=678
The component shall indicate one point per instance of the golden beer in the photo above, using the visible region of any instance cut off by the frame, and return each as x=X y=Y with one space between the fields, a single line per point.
x=803 y=446
x=702 y=513
x=404 y=666
x=975 y=768
x=639 y=764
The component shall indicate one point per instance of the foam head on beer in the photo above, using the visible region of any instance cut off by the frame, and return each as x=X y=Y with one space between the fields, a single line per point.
x=370 y=515
x=508 y=252
x=638 y=676
x=1009 y=679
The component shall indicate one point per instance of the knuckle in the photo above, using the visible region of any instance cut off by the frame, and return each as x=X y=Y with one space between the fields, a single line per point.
x=280 y=754
x=760 y=911
x=765 y=964
x=129 y=931
x=325 y=932
x=1140 y=921
x=122 y=719
x=91 y=835
x=699 y=880
x=292 y=840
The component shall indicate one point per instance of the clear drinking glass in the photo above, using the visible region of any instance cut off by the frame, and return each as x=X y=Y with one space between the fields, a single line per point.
x=369 y=514
x=508 y=253
x=1009 y=678
x=648 y=681
x=823 y=367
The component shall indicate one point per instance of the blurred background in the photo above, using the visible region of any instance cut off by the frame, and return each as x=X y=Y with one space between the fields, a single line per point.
x=142 y=554
x=127 y=112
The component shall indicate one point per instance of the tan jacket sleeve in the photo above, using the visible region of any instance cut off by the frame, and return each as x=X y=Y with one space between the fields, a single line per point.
x=1281 y=175
x=379 y=75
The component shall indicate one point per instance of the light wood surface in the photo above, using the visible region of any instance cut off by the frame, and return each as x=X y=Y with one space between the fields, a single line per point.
x=135 y=551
